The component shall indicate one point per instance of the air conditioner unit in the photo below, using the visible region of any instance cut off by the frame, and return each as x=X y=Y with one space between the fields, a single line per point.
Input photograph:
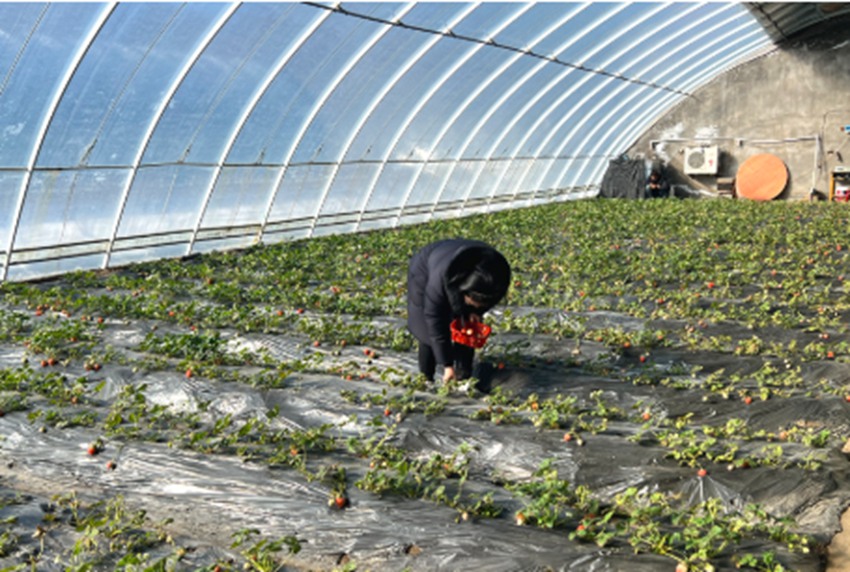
x=701 y=160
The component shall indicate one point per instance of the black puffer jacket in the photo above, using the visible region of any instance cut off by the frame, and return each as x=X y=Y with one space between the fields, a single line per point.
x=433 y=296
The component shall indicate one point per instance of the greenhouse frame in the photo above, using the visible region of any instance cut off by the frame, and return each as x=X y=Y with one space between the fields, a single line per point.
x=134 y=131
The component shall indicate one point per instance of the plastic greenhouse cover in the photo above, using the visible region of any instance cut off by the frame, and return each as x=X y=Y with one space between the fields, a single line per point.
x=201 y=492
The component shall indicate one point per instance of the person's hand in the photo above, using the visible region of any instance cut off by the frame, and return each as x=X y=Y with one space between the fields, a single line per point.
x=448 y=373
x=471 y=318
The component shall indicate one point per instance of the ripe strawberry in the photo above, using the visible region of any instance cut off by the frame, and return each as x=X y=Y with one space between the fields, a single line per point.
x=111 y=465
x=646 y=416
x=642 y=359
x=702 y=473
x=387 y=412
x=748 y=400
x=830 y=355
x=710 y=285
x=188 y=373
x=568 y=437
x=93 y=449
x=299 y=311
x=340 y=501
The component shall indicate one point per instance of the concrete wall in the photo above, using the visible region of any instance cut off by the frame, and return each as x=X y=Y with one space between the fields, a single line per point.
x=792 y=102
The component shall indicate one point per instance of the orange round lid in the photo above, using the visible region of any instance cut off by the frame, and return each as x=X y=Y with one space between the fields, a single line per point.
x=761 y=177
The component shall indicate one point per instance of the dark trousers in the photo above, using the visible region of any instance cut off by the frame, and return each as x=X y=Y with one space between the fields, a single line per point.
x=462 y=355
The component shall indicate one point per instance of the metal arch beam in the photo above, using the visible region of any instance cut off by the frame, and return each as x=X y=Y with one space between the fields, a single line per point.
x=501 y=101
x=163 y=105
x=388 y=86
x=578 y=107
x=528 y=105
x=719 y=26
x=130 y=77
x=681 y=46
x=233 y=76
x=721 y=38
x=719 y=64
x=255 y=99
x=540 y=94
x=401 y=13
x=603 y=65
x=305 y=125
x=76 y=60
x=627 y=134
x=458 y=111
x=554 y=131
x=423 y=100
x=644 y=55
x=656 y=106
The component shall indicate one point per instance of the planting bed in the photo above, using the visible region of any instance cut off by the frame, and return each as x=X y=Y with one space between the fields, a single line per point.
x=666 y=386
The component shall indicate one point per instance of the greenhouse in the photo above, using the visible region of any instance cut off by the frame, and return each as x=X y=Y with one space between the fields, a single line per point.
x=218 y=233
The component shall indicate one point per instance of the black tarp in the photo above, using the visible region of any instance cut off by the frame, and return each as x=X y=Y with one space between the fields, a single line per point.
x=625 y=178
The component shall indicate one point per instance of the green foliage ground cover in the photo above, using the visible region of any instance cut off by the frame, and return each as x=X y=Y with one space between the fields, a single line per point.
x=686 y=267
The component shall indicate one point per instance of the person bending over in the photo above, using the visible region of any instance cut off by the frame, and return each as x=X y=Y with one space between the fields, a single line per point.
x=448 y=279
